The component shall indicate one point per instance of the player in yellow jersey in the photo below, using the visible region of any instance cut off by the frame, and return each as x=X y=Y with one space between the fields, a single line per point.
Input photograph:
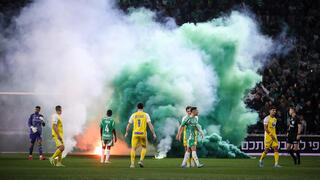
x=139 y=133
x=270 y=137
x=57 y=134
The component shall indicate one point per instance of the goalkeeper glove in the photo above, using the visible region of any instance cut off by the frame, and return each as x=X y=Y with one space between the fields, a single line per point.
x=34 y=129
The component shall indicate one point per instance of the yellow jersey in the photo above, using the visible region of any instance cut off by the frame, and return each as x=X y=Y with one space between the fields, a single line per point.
x=56 y=119
x=139 y=120
x=271 y=123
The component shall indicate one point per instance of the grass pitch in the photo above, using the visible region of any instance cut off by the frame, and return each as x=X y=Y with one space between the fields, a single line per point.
x=80 y=167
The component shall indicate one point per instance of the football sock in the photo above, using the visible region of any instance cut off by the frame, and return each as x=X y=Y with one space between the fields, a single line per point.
x=102 y=154
x=291 y=153
x=40 y=149
x=107 y=154
x=188 y=162
x=298 y=156
x=195 y=157
x=276 y=157
x=56 y=153
x=59 y=158
x=30 y=150
x=186 y=157
x=143 y=153
x=262 y=156
x=133 y=153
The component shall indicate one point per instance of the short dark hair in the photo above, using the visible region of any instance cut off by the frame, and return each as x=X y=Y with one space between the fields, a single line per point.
x=38 y=107
x=140 y=106
x=293 y=108
x=109 y=112
x=193 y=108
x=188 y=107
x=58 y=108
x=272 y=107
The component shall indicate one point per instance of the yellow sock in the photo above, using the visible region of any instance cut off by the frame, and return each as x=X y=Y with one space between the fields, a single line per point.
x=59 y=158
x=143 y=153
x=188 y=162
x=276 y=157
x=133 y=153
x=56 y=153
x=262 y=156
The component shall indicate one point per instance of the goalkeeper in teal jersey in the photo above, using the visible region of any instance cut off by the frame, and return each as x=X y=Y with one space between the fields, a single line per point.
x=191 y=125
x=107 y=132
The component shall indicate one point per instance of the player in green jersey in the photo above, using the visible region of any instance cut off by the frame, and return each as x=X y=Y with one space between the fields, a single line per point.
x=191 y=125
x=107 y=132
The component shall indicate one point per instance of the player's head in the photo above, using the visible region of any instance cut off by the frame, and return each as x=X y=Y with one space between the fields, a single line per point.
x=292 y=110
x=58 y=109
x=194 y=111
x=188 y=110
x=140 y=106
x=272 y=111
x=109 y=112
x=37 y=109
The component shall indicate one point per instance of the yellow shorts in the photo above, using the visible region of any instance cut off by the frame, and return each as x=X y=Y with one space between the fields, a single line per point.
x=137 y=141
x=58 y=142
x=185 y=143
x=269 y=142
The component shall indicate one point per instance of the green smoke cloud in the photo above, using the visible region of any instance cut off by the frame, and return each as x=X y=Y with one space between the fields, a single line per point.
x=208 y=65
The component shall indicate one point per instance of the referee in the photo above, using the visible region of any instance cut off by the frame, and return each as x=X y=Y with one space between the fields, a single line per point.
x=293 y=135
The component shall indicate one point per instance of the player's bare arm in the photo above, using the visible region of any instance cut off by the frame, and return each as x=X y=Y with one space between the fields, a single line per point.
x=127 y=130
x=115 y=135
x=152 y=130
x=177 y=136
x=101 y=133
x=268 y=132
x=55 y=128
x=201 y=134
x=299 y=131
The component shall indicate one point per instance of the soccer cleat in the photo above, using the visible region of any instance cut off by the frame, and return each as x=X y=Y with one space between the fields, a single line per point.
x=30 y=157
x=200 y=165
x=52 y=161
x=183 y=166
x=140 y=164
x=60 y=165
x=277 y=166
x=188 y=165
x=42 y=158
x=260 y=163
x=132 y=166
x=107 y=162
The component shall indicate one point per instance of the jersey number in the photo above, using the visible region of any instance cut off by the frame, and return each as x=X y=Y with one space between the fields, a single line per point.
x=139 y=122
x=107 y=129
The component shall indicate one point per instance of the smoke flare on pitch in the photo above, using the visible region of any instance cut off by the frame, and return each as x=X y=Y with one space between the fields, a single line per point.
x=92 y=54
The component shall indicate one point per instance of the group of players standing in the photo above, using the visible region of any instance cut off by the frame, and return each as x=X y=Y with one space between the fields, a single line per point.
x=139 y=120
x=35 y=123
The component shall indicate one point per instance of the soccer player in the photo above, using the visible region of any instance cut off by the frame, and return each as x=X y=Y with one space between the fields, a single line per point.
x=270 y=137
x=35 y=124
x=107 y=131
x=293 y=135
x=57 y=133
x=191 y=124
x=139 y=134
x=188 y=110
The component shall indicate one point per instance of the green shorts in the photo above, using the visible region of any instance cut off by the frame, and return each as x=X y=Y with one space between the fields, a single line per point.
x=107 y=142
x=191 y=142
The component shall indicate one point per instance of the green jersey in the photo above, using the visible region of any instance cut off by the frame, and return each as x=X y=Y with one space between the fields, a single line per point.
x=191 y=123
x=108 y=125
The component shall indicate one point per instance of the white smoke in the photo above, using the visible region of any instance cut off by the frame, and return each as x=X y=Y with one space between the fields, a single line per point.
x=75 y=48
